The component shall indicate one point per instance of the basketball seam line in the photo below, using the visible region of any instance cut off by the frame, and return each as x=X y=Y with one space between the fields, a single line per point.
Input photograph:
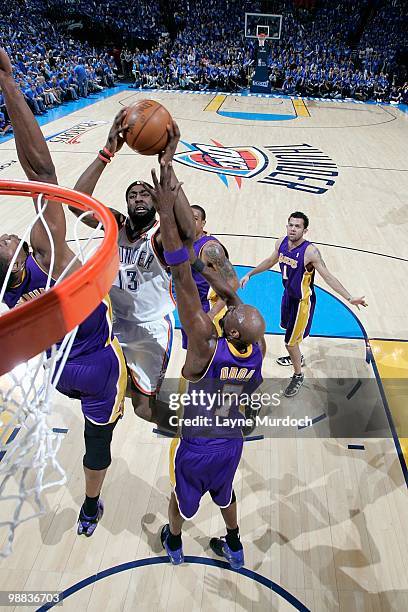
x=144 y=125
x=154 y=144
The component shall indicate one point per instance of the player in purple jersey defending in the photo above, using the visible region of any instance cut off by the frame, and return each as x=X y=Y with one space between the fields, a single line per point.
x=209 y=249
x=206 y=456
x=298 y=260
x=95 y=371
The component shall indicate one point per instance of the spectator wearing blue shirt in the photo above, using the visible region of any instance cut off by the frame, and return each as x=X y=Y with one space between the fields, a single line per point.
x=82 y=78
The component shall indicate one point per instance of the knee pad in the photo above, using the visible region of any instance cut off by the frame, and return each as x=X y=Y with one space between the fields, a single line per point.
x=98 y=440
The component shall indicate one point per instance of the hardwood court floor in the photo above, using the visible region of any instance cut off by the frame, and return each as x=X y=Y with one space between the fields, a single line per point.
x=324 y=523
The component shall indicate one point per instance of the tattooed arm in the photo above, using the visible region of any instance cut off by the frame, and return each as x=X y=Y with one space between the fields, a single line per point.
x=213 y=255
x=314 y=258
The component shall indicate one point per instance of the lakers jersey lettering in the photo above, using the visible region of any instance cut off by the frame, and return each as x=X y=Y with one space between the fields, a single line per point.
x=234 y=373
x=283 y=259
x=297 y=280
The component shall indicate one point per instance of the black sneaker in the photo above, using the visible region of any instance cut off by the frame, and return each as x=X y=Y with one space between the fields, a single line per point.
x=293 y=387
x=287 y=361
x=220 y=547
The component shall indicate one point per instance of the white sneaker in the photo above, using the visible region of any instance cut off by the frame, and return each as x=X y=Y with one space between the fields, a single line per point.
x=287 y=361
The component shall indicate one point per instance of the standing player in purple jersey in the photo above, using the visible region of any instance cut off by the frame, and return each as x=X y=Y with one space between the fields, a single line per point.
x=209 y=249
x=95 y=371
x=298 y=260
x=206 y=457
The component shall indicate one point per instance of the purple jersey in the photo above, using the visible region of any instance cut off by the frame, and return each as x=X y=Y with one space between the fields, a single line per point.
x=92 y=335
x=203 y=285
x=298 y=281
x=230 y=379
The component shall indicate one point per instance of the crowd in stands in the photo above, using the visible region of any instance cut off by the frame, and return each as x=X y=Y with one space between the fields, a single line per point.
x=49 y=67
x=319 y=62
x=138 y=19
x=207 y=49
x=313 y=57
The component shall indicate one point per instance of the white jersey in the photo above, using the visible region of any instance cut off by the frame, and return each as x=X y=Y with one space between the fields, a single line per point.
x=142 y=289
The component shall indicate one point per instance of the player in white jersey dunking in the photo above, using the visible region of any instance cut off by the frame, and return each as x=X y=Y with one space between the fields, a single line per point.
x=141 y=295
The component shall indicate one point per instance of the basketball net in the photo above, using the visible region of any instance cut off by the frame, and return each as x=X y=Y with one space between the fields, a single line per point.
x=28 y=445
x=261 y=39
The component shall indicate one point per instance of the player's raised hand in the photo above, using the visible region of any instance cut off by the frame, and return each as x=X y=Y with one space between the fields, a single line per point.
x=163 y=194
x=172 y=142
x=358 y=301
x=6 y=69
x=244 y=280
x=116 y=139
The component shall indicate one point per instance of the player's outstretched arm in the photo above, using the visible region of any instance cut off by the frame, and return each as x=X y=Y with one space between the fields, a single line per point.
x=266 y=264
x=197 y=325
x=35 y=159
x=32 y=149
x=182 y=209
x=314 y=257
x=89 y=178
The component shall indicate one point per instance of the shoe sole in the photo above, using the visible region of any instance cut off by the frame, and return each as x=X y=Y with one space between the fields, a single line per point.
x=172 y=560
x=235 y=566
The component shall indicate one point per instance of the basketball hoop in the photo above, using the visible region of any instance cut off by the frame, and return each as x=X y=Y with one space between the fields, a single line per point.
x=31 y=362
x=261 y=39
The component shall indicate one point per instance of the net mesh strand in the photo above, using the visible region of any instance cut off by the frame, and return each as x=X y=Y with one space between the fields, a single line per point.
x=28 y=445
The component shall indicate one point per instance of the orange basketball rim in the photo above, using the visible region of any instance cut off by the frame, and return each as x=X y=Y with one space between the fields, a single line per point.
x=30 y=328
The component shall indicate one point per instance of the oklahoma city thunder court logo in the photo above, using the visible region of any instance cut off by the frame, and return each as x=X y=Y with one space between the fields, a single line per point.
x=237 y=162
x=300 y=167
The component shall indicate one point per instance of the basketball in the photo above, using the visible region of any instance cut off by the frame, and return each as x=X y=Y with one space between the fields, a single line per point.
x=147 y=132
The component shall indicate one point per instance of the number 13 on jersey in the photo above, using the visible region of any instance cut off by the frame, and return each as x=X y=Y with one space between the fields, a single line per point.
x=128 y=280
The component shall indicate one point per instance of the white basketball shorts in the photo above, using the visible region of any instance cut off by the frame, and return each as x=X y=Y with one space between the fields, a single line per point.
x=147 y=348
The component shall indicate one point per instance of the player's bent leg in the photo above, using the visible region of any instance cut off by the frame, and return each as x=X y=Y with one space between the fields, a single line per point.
x=141 y=405
x=147 y=354
x=151 y=409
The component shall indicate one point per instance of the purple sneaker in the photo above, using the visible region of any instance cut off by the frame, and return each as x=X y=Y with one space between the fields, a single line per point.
x=176 y=556
x=220 y=547
x=87 y=524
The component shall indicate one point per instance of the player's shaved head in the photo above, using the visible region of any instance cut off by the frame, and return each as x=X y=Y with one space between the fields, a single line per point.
x=243 y=325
